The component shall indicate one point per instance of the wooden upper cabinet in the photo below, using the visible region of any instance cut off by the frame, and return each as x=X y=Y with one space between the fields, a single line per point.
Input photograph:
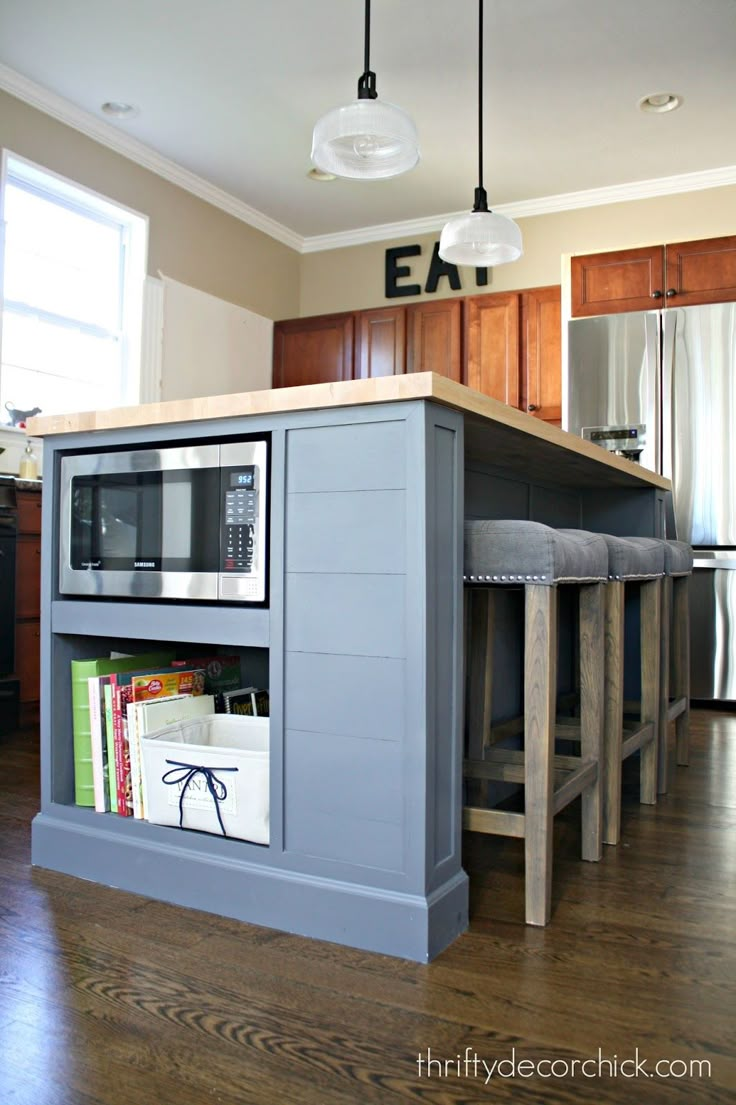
x=700 y=272
x=680 y=274
x=434 y=338
x=381 y=343
x=313 y=350
x=625 y=280
x=541 y=357
x=492 y=345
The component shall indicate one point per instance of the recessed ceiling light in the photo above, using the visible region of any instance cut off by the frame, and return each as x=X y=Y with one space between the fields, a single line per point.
x=118 y=110
x=319 y=174
x=660 y=101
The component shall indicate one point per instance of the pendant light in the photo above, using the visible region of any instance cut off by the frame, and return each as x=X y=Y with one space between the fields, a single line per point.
x=481 y=237
x=368 y=139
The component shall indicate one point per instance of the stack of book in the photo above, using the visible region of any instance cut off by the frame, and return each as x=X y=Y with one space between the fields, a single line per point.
x=117 y=699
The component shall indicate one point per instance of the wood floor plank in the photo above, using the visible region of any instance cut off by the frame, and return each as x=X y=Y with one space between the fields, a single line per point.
x=107 y=998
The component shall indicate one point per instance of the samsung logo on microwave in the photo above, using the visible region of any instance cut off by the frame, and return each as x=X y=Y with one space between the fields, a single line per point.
x=144 y=563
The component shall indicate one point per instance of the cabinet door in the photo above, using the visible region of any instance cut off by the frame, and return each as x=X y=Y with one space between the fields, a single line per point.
x=434 y=338
x=28 y=577
x=29 y=511
x=27 y=659
x=541 y=357
x=625 y=280
x=381 y=344
x=701 y=272
x=314 y=350
x=492 y=344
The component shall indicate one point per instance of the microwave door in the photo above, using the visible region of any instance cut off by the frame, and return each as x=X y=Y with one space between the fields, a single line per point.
x=143 y=524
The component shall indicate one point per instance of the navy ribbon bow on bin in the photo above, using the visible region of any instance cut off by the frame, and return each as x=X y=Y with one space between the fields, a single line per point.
x=184 y=773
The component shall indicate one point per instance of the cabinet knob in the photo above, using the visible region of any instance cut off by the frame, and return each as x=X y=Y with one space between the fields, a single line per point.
x=532 y=407
x=671 y=292
x=657 y=294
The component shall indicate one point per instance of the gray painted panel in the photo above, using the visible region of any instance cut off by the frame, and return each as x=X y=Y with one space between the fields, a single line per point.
x=323 y=834
x=184 y=622
x=359 y=696
x=488 y=495
x=343 y=799
x=362 y=456
x=351 y=777
x=560 y=509
x=635 y=513
x=362 y=531
x=353 y=614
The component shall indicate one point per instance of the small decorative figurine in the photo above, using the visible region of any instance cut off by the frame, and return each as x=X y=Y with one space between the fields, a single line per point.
x=17 y=417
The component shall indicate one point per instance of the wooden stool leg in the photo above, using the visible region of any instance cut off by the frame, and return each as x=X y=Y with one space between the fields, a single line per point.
x=614 y=711
x=681 y=677
x=540 y=684
x=663 y=744
x=651 y=633
x=592 y=684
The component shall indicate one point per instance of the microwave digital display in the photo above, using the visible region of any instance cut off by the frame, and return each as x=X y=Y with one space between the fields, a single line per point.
x=246 y=478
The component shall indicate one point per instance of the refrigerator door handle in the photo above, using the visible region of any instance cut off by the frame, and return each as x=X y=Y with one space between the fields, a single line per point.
x=669 y=329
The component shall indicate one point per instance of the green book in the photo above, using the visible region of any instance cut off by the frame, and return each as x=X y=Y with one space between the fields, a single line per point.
x=82 y=670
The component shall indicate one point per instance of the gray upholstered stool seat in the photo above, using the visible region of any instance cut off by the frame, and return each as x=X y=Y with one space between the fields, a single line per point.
x=632 y=558
x=499 y=555
x=678 y=558
x=507 y=552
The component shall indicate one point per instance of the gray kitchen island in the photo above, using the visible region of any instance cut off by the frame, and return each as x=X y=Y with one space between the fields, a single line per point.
x=361 y=644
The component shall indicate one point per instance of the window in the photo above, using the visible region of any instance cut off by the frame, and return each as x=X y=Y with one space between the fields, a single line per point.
x=73 y=266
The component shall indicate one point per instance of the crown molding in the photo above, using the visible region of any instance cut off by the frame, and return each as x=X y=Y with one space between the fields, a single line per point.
x=106 y=134
x=65 y=112
x=524 y=209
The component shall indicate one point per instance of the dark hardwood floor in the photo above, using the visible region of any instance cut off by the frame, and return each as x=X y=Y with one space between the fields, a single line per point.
x=111 y=999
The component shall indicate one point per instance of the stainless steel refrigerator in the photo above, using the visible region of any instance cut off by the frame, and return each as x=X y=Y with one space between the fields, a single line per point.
x=665 y=382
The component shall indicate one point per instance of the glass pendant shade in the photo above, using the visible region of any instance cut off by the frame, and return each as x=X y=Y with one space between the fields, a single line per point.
x=365 y=140
x=480 y=238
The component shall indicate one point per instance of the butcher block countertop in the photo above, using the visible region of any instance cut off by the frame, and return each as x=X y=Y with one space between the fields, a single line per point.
x=494 y=432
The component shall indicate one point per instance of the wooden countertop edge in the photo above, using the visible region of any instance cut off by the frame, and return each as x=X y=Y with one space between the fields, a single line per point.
x=387 y=389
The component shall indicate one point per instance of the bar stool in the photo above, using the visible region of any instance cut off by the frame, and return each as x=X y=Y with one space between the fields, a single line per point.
x=674 y=700
x=539 y=559
x=631 y=561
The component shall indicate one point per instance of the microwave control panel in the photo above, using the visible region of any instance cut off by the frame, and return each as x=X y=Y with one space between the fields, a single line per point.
x=243 y=521
x=240 y=520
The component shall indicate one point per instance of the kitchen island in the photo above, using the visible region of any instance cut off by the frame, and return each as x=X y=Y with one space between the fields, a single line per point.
x=361 y=643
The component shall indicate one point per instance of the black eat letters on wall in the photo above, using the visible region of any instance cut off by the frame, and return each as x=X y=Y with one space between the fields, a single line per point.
x=437 y=269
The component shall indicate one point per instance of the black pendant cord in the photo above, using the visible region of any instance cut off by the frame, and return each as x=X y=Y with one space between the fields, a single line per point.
x=367 y=83
x=481 y=199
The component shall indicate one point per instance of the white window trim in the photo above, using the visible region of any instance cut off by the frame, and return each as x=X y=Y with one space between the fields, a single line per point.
x=134 y=273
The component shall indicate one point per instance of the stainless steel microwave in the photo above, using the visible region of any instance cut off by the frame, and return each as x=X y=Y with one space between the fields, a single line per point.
x=187 y=522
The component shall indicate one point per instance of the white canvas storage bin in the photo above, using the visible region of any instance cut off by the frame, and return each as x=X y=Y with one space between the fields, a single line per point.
x=210 y=773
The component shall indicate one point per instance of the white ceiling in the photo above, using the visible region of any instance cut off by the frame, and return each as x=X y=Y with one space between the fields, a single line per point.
x=230 y=89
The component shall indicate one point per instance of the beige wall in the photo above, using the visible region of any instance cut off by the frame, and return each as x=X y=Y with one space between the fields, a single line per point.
x=189 y=239
x=352 y=278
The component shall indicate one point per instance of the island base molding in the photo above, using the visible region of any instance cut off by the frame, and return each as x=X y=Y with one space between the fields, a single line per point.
x=407 y=926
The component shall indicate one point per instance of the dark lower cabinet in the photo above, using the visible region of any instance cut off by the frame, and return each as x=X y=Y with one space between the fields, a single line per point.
x=27 y=603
